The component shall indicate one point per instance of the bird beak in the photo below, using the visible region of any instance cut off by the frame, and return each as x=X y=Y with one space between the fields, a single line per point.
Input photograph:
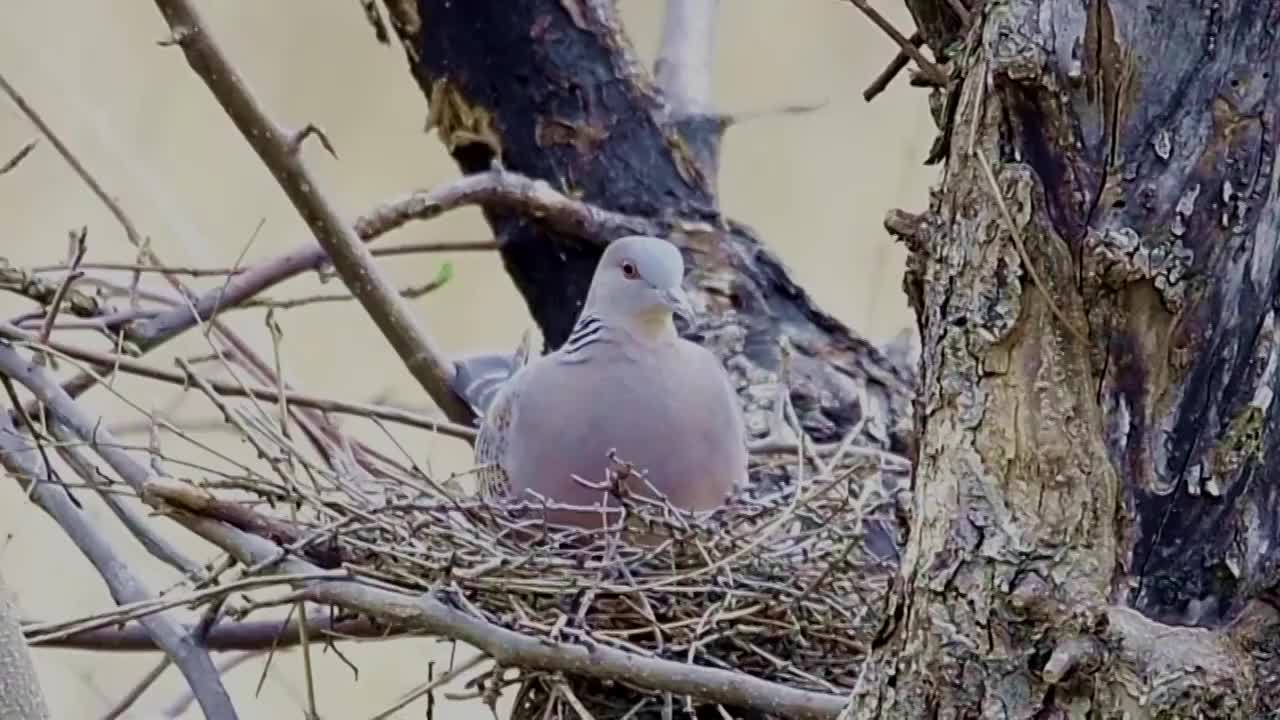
x=678 y=301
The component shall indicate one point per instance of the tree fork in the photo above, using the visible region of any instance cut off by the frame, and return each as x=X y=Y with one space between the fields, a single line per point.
x=553 y=90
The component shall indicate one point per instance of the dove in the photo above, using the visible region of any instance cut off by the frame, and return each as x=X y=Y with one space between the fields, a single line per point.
x=623 y=381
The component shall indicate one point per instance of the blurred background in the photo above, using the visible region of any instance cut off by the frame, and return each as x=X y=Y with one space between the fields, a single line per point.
x=815 y=186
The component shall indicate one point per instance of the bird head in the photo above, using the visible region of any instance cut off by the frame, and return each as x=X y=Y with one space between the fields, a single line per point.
x=638 y=284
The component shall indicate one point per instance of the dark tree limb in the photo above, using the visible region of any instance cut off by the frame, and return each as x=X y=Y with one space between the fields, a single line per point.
x=552 y=90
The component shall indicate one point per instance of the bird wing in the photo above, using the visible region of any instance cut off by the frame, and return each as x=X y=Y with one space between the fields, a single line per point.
x=494 y=438
x=478 y=378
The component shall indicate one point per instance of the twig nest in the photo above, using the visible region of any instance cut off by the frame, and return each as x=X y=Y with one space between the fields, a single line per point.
x=785 y=584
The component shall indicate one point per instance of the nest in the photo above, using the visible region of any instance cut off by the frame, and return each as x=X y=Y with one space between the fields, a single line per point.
x=785 y=582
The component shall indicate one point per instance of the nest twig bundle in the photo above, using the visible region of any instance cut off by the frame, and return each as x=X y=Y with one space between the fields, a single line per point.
x=783 y=584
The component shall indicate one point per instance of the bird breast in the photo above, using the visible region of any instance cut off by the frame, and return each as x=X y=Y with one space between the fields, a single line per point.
x=672 y=415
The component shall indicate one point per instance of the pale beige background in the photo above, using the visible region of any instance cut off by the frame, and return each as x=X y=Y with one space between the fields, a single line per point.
x=816 y=186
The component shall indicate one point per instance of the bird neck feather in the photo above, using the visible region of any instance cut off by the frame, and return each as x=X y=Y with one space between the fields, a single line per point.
x=595 y=328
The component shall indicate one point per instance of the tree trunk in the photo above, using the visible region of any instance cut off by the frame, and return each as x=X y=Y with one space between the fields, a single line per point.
x=1095 y=522
x=20 y=694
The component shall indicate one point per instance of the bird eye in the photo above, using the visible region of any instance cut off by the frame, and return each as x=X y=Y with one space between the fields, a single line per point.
x=628 y=270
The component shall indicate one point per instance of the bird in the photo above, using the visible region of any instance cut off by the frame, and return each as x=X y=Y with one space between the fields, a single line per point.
x=623 y=381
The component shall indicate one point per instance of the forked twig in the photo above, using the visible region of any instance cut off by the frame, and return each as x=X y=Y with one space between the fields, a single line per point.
x=24 y=464
x=424 y=360
x=932 y=72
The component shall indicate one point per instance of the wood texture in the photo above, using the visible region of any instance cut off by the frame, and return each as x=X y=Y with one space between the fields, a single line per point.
x=1095 y=510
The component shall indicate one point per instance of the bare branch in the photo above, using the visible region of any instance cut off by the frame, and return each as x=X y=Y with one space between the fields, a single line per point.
x=130 y=230
x=20 y=458
x=19 y=156
x=107 y=362
x=129 y=516
x=513 y=649
x=426 y=688
x=933 y=74
x=179 y=705
x=409 y=293
x=44 y=290
x=405 y=249
x=230 y=636
x=123 y=704
x=496 y=188
x=891 y=71
x=75 y=256
x=686 y=58
x=351 y=258
x=144 y=252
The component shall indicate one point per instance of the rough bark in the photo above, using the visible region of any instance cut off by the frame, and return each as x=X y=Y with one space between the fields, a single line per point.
x=552 y=90
x=1095 y=512
x=20 y=695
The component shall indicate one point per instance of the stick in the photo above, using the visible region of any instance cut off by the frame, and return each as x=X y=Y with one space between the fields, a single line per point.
x=20 y=460
x=282 y=156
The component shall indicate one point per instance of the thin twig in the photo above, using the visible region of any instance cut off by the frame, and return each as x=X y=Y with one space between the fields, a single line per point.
x=124 y=363
x=562 y=687
x=289 y=473
x=494 y=188
x=350 y=257
x=409 y=293
x=19 y=156
x=430 y=686
x=22 y=462
x=1012 y=228
x=932 y=72
x=190 y=271
x=76 y=254
x=113 y=207
x=122 y=706
x=142 y=246
x=227 y=636
x=891 y=71
x=134 y=521
x=138 y=610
